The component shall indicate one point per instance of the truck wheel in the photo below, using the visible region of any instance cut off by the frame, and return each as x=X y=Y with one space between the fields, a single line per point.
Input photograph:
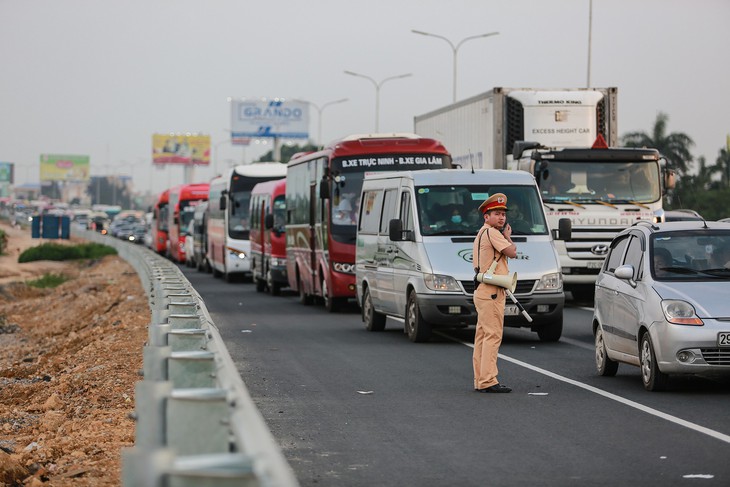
x=374 y=321
x=653 y=378
x=550 y=332
x=274 y=287
x=604 y=365
x=260 y=285
x=417 y=328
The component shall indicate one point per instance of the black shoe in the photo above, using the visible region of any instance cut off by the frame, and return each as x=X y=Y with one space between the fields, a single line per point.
x=496 y=388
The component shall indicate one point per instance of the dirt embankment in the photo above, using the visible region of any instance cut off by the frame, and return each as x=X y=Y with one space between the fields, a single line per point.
x=69 y=363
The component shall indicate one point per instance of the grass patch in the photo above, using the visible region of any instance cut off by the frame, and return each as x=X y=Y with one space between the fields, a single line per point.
x=59 y=252
x=48 y=281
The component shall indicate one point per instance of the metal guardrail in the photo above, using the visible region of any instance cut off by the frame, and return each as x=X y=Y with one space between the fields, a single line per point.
x=196 y=424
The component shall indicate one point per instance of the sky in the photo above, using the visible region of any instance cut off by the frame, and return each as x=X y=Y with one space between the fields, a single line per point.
x=100 y=77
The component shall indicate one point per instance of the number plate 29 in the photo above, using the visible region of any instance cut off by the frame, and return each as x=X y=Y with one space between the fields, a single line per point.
x=723 y=339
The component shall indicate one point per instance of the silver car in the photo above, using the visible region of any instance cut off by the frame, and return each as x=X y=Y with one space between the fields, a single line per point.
x=662 y=301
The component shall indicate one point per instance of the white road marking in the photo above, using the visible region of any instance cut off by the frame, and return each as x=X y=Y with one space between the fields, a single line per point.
x=654 y=412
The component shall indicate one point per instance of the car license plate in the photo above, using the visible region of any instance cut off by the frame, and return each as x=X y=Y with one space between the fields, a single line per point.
x=723 y=339
x=511 y=310
x=594 y=264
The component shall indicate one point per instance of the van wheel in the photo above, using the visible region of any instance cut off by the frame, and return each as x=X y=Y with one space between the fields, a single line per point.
x=653 y=378
x=604 y=365
x=550 y=332
x=304 y=298
x=374 y=321
x=417 y=328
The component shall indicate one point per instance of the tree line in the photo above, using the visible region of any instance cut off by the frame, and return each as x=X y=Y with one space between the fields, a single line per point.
x=706 y=190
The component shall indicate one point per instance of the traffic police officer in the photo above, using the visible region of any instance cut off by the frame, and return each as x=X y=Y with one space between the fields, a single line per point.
x=493 y=242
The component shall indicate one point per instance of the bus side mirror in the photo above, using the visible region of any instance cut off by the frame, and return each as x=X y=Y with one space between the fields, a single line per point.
x=670 y=178
x=269 y=221
x=565 y=229
x=324 y=188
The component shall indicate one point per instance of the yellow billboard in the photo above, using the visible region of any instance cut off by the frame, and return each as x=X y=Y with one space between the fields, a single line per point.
x=55 y=167
x=181 y=149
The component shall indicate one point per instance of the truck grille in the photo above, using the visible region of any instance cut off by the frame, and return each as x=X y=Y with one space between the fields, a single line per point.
x=584 y=239
x=523 y=287
x=716 y=356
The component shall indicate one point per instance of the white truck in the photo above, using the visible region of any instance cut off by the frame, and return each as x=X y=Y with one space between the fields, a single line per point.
x=562 y=137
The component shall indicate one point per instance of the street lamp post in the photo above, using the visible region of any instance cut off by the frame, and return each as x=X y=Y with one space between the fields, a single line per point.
x=377 y=92
x=454 y=48
x=319 y=116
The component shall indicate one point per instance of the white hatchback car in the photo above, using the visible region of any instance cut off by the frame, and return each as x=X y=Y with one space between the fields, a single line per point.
x=661 y=301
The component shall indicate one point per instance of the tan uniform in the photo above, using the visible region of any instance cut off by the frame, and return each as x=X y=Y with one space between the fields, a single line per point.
x=489 y=301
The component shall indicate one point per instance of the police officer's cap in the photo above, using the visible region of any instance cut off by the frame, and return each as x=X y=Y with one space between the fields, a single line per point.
x=498 y=201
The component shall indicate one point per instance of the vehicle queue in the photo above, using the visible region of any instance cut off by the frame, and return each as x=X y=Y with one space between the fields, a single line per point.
x=360 y=221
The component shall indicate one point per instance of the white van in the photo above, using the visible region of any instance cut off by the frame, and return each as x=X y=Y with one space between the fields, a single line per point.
x=414 y=250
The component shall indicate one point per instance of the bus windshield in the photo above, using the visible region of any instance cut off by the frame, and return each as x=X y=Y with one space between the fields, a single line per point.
x=610 y=182
x=454 y=210
x=348 y=174
x=238 y=216
x=279 y=210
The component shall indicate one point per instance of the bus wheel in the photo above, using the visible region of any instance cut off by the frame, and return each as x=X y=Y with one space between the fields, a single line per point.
x=417 y=328
x=331 y=304
x=260 y=285
x=274 y=287
x=304 y=298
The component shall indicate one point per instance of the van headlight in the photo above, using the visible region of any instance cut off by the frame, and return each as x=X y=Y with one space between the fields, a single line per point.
x=680 y=312
x=344 y=267
x=550 y=282
x=439 y=282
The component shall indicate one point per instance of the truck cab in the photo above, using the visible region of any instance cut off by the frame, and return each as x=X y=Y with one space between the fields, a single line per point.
x=599 y=191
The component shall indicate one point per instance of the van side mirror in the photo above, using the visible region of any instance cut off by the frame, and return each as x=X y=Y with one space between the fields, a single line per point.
x=396 y=232
x=565 y=229
x=222 y=203
x=269 y=221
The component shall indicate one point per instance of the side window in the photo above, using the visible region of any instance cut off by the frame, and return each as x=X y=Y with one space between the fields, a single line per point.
x=617 y=251
x=371 y=208
x=634 y=255
x=406 y=214
x=388 y=210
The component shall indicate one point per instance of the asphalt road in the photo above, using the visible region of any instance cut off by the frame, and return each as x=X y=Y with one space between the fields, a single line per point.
x=355 y=408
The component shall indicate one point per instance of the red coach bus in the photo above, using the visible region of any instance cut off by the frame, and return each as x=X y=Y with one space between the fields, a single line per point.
x=268 y=240
x=159 y=223
x=183 y=200
x=322 y=198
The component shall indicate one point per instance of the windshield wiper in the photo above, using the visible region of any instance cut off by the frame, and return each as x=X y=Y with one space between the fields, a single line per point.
x=605 y=203
x=679 y=270
x=717 y=272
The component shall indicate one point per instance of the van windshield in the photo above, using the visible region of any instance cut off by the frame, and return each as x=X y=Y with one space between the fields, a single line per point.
x=454 y=210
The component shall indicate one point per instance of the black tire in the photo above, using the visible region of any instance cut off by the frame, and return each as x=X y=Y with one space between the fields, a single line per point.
x=216 y=272
x=331 y=304
x=374 y=321
x=304 y=298
x=551 y=332
x=417 y=329
x=653 y=378
x=604 y=365
x=260 y=285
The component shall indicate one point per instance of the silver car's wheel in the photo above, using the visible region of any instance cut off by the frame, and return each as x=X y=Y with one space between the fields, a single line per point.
x=653 y=378
x=604 y=365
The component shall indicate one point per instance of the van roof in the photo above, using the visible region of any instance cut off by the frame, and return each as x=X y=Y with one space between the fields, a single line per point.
x=457 y=176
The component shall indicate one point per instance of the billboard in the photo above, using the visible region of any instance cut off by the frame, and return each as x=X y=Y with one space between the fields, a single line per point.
x=6 y=172
x=55 y=167
x=181 y=149
x=269 y=118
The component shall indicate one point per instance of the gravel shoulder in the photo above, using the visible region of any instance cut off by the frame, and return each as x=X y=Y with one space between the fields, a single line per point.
x=69 y=363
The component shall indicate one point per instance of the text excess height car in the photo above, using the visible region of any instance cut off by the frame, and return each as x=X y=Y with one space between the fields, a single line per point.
x=662 y=302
